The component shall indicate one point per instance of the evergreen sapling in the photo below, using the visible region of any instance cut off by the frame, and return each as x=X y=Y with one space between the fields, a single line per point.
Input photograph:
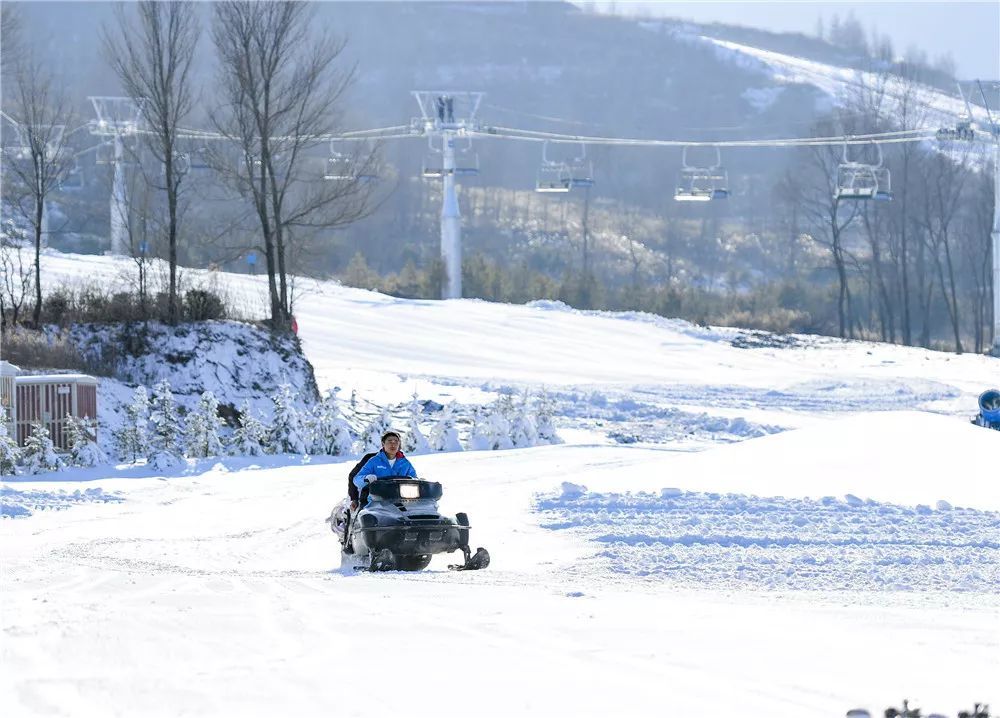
x=39 y=452
x=81 y=435
x=165 y=451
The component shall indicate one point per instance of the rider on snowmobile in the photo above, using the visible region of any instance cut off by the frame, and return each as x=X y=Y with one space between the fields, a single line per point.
x=390 y=461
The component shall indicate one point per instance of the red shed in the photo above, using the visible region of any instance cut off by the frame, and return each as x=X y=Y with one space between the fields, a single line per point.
x=50 y=399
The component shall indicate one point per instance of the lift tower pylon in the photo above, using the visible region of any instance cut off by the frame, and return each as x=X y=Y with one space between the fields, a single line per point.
x=446 y=116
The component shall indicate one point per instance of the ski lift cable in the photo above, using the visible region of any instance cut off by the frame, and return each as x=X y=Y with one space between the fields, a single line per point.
x=880 y=138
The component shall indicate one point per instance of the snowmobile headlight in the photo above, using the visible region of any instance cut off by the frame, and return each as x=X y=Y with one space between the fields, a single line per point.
x=409 y=491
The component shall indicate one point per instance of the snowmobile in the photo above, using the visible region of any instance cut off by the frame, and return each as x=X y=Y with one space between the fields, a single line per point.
x=989 y=410
x=400 y=528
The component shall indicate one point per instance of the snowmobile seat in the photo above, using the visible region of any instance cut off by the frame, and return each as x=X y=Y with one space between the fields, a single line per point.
x=352 y=490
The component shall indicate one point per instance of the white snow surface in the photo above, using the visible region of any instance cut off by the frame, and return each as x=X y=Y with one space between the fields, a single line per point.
x=840 y=82
x=793 y=528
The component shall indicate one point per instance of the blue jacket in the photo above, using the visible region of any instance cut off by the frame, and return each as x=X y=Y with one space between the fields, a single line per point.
x=379 y=465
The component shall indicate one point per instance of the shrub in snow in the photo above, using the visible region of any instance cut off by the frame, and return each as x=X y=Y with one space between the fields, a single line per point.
x=165 y=434
x=39 y=453
x=203 y=426
x=543 y=420
x=414 y=441
x=132 y=437
x=444 y=435
x=82 y=438
x=250 y=436
x=497 y=424
x=523 y=432
x=10 y=453
x=479 y=438
x=329 y=432
x=371 y=437
x=288 y=436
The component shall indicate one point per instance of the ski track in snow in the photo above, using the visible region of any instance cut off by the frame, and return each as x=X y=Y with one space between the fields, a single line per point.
x=739 y=542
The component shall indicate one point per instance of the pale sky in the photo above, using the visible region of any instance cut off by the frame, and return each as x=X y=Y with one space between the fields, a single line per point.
x=970 y=31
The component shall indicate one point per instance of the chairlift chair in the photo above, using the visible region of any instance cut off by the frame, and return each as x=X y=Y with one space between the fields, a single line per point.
x=581 y=170
x=553 y=176
x=338 y=167
x=862 y=181
x=702 y=184
x=198 y=159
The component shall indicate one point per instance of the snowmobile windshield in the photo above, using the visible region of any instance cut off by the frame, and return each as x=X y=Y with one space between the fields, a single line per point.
x=404 y=488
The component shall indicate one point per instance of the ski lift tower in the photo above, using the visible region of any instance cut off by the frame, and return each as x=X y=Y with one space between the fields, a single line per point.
x=444 y=117
x=117 y=118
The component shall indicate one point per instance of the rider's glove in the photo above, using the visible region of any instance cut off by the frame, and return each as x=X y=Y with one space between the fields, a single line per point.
x=370 y=478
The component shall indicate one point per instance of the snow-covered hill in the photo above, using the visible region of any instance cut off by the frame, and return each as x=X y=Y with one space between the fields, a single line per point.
x=811 y=524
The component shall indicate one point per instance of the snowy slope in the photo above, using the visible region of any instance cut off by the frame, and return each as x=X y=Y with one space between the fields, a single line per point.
x=847 y=556
x=936 y=108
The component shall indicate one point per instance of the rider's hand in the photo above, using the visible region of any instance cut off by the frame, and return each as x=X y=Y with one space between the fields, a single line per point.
x=370 y=478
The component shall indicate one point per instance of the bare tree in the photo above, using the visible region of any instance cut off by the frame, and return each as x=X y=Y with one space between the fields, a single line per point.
x=280 y=91
x=829 y=217
x=10 y=37
x=153 y=57
x=37 y=159
x=943 y=186
x=16 y=280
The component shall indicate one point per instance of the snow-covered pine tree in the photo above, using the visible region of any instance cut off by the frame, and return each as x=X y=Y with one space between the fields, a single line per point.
x=81 y=434
x=331 y=434
x=39 y=453
x=523 y=432
x=10 y=452
x=203 y=426
x=444 y=435
x=132 y=437
x=165 y=437
x=371 y=437
x=498 y=423
x=544 y=410
x=250 y=436
x=414 y=441
x=479 y=438
x=288 y=435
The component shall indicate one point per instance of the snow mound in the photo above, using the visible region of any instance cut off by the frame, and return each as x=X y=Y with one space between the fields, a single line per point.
x=21 y=504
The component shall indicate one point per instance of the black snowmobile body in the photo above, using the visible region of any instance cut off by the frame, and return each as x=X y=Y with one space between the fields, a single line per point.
x=401 y=528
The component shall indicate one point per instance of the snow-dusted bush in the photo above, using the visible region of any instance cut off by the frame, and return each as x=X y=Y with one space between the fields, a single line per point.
x=132 y=437
x=203 y=426
x=371 y=437
x=523 y=431
x=81 y=434
x=329 y=432
x=543 y=420
x=479 y=437
x=250 y=436
x=414 y=441
x=288 y=435
x=497 y=423
x=444 y=435
x=166 y=433
x=39 y=453
x=10 y=453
